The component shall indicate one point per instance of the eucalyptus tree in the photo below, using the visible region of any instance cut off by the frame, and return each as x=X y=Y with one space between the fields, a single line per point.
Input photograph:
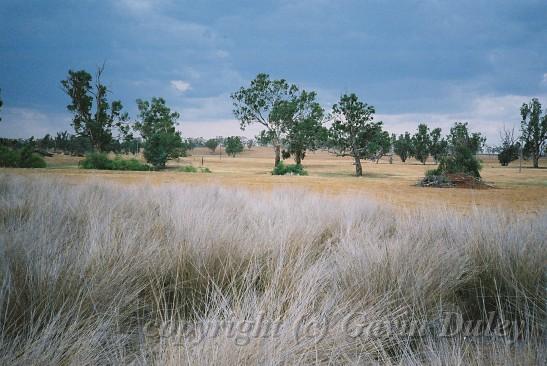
x=268 y=103
x=353 y=129
x=94 y=118
x=534 y=129
x=421 y=142
x=403 y=147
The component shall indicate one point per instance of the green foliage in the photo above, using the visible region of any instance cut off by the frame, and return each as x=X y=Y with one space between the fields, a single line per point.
x=233 y=145
x=534 y=130
x=157 y=126
x=460 y=136
x=212 y=144
x=509 y=150
x=508 y=154
x=269 y=103
x=403 y=146
x=292 y=169
x=129 y=164
x=421 y=142
x=9 y=158
x=378 y=146
x=95 y=125
x=102 y=162
x=462 y=160
x=22 y=158
x=96 y=160
x=462 y=147
x=30 y=160
x=438 y=146
x=193 y=169
x=305 y=130
x=353 y=129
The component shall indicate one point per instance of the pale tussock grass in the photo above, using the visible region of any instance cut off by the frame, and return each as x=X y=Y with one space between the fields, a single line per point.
x=87 y=268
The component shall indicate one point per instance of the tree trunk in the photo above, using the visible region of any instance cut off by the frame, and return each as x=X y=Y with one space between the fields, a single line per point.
x=535 y=159
x=277 y=154
x=298 y=158
x=358 y=167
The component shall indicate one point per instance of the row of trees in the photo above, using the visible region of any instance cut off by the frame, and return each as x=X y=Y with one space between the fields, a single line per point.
x=294 y=122
x=425 y=142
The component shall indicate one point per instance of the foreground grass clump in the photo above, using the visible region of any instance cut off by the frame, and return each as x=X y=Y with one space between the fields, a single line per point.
x=100 y=273
x=102 y=162
x=291 y=169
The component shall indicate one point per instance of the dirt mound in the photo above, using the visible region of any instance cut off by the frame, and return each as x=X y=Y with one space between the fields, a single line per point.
x=454 y=181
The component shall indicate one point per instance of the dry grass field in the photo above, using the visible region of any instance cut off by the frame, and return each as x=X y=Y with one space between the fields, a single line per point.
x=174 y=268
x=97 y=273
x=393 y=183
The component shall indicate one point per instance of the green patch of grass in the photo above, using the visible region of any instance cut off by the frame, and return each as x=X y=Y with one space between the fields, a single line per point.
x=193 y=169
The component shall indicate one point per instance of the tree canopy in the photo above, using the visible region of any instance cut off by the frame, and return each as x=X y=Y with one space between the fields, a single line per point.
x=93 y=116
x=353 y=129
x=157 y=126
x=534 y=129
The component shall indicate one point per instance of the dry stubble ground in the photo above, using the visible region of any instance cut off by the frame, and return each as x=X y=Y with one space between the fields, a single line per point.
x=392 y=183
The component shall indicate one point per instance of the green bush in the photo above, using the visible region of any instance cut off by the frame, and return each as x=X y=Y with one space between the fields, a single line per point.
x=193 y=169
x=129 y=164
x=461 y=161
x=96 y=161
x=24 y=158
x=8 y=157
x=188 y=169
x=102 y=162
x=291 y=169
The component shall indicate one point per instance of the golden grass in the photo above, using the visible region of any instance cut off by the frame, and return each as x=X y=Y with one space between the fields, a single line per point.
x=105 y=274
x=392 y=183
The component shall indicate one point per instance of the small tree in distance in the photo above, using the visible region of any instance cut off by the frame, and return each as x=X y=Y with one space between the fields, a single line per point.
x=534 y=130
x=233 y=145
x=402 y=146
x=438 y=146
x=157 y=126
x=462 y=147
x=212 y=144
x=421 y=143
x=353 y=129
x=509 y=150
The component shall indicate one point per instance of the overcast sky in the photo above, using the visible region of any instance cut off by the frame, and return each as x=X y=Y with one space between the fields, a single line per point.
x=427 y=61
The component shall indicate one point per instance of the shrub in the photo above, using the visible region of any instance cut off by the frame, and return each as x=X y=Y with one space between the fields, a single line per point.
x=462 y=160
x=291 y=169
x=24 y=158
x=193 y=169
x=508 y=154
x=102 y=162
x=163 y=146
x=129 y=164
x=8 y=157
x=188 y=169
x=96 y=161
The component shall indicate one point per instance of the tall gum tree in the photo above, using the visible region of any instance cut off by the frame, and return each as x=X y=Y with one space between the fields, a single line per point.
x=353 y=129
x=268 y=103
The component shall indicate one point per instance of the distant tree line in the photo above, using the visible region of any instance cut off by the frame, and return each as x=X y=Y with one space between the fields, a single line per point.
x=293 y=122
